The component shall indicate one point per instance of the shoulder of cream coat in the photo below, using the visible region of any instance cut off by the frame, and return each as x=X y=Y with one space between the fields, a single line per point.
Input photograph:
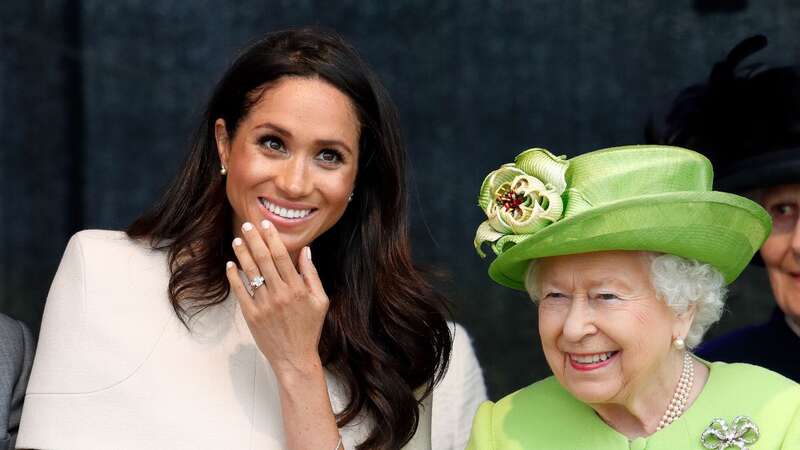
x=422 y=438
x=104 y=314
x=107 y=311
x=457 y=396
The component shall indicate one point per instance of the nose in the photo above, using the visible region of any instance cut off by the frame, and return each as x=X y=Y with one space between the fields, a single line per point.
x=579 y=322
x=294 y=181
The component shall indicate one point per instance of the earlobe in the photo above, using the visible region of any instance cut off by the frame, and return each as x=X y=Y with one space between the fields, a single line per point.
x=221 y=138
x=684 y=322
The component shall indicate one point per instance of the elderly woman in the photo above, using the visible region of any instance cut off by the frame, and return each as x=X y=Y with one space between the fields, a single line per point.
x=748 y=124
x=627 y=252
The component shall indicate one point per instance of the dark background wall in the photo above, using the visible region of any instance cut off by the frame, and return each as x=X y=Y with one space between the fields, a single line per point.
x=97 y=100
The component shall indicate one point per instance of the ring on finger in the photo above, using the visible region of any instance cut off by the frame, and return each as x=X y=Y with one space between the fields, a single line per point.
x=257 y=282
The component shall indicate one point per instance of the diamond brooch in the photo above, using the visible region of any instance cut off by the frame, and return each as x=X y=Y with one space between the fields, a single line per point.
x=738 y=434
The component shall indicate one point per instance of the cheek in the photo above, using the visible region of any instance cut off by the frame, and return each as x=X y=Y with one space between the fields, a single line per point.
x=239 y=178
x=549 y=330
x=638 y=328
x=786 y=292
x=774 y=249
x=337 y=189
x=550 y=325
x=247 y=170
x=640 y=318
x=241 y=188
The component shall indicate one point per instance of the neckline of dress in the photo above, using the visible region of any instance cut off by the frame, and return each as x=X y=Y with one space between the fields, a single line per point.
x=686 y=413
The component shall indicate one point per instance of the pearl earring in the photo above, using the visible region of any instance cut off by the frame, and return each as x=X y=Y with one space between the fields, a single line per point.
x=223 y=171
x=350 y=198
x=679 y=344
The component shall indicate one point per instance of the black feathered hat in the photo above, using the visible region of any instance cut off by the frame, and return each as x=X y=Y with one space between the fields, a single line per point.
x=746 y=120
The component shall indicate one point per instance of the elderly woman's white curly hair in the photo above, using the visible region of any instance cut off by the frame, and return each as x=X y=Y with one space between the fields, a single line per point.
x=680 y=282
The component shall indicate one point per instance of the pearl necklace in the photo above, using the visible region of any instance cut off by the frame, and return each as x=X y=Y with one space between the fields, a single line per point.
x=681 y=396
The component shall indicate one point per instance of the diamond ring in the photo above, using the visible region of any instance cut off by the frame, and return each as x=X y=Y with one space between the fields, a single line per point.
x=257 y=282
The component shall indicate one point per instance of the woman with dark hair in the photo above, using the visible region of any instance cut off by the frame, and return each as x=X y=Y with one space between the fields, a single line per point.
x=299 y=154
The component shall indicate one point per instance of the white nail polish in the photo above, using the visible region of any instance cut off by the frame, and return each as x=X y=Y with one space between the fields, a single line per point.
x=247 y=226
x=229 y=264
x=265 y=224
x=237 y=242
x=308 y=253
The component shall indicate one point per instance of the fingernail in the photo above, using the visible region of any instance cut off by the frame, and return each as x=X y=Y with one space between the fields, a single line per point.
x=308 y=253
x=229 y=264
x=247 y=226
x=265 y=224
x=237 y=242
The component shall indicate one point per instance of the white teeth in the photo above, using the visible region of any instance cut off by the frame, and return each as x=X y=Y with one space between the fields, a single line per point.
x=591 y=359
x=286 y=213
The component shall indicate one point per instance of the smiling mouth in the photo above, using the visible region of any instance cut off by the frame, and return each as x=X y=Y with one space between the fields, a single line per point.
x=285 y=213
x=591 y=361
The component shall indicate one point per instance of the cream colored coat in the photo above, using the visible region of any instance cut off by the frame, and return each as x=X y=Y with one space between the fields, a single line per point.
x=115 y=369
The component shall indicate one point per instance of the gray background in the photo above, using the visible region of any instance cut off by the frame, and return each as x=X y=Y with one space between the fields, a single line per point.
x=97 y=100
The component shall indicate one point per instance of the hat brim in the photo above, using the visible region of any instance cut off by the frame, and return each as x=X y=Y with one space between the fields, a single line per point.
x=770 y=169
x=717 y=228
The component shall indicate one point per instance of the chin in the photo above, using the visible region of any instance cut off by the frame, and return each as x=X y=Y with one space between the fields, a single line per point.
x=792 y=310
x=788 y=301
x=590 y=392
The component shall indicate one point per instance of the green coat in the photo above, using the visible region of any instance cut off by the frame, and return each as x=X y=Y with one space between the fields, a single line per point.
x=545 y=416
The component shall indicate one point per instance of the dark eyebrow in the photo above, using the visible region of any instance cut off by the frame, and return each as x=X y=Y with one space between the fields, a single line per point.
x=333 y=142
x=276 y=128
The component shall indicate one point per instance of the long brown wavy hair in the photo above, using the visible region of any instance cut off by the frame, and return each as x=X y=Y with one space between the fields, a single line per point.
x=385 y=334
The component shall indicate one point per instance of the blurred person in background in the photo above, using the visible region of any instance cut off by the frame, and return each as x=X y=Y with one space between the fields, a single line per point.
x=746 y=120
x=16 y=358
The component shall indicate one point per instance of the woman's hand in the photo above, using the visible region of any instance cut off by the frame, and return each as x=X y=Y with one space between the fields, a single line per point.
x=285 y=317
x=285 y=314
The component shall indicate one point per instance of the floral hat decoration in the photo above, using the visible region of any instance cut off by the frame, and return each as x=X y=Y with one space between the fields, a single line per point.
x=521 y=198
x=641 y=197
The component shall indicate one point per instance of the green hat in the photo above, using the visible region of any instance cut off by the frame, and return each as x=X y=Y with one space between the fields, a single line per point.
x=640 y=197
